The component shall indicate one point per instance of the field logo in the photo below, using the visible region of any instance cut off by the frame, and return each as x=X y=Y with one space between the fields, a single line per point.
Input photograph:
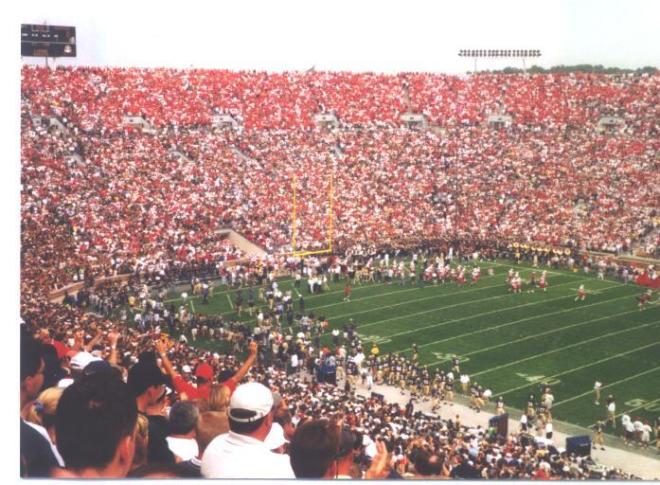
x=446 y=357
x=539 y=379
x=374 y=339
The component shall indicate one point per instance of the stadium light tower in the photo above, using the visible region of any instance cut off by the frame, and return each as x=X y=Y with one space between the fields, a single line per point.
x=499 y=54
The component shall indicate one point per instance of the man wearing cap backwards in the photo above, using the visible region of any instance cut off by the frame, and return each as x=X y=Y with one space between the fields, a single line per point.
x=242 y=453
x=204 y=374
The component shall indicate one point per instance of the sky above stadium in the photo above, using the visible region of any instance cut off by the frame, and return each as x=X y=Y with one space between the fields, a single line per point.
x=367 y=35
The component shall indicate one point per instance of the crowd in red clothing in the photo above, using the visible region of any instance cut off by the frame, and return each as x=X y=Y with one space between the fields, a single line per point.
x=97 y=98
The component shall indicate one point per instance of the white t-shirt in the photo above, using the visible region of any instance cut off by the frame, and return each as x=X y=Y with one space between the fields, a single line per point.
x=646 y=432
x=611 y=407
x=232 y=455
x=184 y=448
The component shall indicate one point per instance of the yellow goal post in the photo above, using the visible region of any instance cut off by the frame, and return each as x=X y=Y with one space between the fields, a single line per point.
x=294 y=219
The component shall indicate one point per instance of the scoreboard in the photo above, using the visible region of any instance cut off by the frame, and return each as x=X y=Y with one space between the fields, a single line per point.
x=48 y=41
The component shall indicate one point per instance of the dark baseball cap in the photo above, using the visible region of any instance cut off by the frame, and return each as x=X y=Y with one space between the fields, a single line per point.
x=143 y=375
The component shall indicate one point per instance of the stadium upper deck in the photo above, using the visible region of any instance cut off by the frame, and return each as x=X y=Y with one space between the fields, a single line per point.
x=96 y=98
x=127 y=201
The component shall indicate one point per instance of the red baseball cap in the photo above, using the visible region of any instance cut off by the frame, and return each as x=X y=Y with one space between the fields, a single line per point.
x=205 y=371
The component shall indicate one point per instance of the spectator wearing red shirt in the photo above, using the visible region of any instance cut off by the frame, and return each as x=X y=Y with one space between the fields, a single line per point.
x=204 y=374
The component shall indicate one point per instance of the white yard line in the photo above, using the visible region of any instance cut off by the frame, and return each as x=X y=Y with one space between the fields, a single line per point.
x=231 y=304
x=440 y=324
x=483 y=330
x=407 y=315
x=577 y=344
x=609 y=385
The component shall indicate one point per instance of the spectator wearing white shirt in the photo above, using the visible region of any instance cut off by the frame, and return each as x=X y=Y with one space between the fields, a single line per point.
x=242 y=453
x=183 y=423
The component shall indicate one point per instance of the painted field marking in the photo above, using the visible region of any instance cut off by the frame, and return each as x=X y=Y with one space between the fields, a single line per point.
x=446 y=357
x=588 y=292
x=374 y=339
x=561 y=329
x=470 y=289
x=231 y=304
x=407 y=315
x=651 y=406
x=538 y=378
x=621 y=354
x=577 y=344
x=402 y=303
x=503 y=324
x=612 y=383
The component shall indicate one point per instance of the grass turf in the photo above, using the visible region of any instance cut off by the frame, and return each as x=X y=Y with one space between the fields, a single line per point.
x=510 y=343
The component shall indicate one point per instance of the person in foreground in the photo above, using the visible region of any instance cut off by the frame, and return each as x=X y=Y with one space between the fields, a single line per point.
x=323 y=448
x=241 y=453
x=95 y=427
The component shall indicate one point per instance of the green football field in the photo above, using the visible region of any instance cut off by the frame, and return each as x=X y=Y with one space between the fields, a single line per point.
x=510 y=343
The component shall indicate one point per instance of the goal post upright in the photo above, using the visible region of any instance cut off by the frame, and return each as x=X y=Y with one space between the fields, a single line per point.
x=331 y=199
x=294 y=220
x=293 y=214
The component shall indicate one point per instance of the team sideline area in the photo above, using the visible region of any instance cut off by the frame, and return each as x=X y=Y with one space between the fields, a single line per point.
x=514 y=344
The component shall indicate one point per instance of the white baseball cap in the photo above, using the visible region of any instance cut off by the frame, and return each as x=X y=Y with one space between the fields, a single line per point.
x=250 y=402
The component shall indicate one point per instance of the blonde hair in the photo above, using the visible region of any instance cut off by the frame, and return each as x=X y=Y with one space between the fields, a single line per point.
x=210 y=425
x=43 y=410
x=219 y=398
x=141 y=441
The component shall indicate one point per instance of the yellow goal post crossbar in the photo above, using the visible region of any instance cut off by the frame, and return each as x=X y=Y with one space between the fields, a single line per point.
x=294 y=220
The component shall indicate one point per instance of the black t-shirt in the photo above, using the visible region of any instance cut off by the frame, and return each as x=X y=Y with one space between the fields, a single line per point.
x=37 y=458
x=157 y=449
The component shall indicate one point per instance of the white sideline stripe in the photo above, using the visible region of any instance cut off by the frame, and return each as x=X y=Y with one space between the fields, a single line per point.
x=231 y=304
x=378 y=322
x=440 y=324
x=637 y=349
x=577 y=344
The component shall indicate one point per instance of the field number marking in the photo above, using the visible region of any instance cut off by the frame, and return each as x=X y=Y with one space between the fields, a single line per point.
x=539 y=378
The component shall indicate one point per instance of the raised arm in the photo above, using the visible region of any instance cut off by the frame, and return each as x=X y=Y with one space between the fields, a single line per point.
x=162 y=351
x=113 y=337
x=249 y=362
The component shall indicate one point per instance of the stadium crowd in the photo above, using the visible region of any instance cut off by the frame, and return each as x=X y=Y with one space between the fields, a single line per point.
x=97 y=98
x=100 y=200
x=109 y=401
